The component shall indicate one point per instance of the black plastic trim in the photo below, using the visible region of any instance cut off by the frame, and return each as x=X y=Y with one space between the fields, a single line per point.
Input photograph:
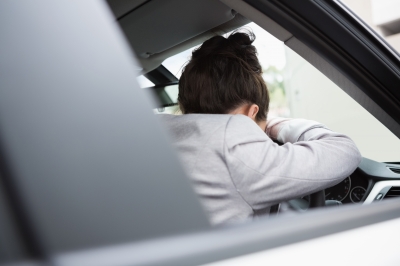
x=376 y=38
x=394 y=168
x=368 y=190
x=361 y=34
x=161 y=76
x=161 y=98
x=331 y=32
x=376 y=171
x=162 y=85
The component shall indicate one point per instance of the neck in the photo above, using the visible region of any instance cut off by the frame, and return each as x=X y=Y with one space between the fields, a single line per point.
x=262 y=124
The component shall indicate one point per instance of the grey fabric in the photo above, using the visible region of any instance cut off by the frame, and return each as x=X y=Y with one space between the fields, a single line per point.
x=239 y=172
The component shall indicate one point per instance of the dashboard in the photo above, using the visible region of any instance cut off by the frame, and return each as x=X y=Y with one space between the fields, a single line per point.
x=371 y=181
x=351 y=190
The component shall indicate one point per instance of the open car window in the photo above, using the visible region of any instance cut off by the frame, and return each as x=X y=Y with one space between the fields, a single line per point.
x=271 y=53
x=313 y=96
x=176 y=63
x=298 y=90
x=87 y=176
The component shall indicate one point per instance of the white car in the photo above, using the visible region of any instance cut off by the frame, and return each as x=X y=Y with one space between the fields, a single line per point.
x=87 y=174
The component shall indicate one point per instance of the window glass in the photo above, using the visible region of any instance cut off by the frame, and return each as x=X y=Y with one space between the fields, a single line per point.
x=299 y=90
x=313 y=96
x=381 y=15
x=173 y=110
x=307 y=93
x=144 y=82
x=171 y=93
x=271 y=53
x=176 y=63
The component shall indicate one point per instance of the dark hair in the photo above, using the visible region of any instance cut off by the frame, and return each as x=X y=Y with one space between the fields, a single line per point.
x=223 y=74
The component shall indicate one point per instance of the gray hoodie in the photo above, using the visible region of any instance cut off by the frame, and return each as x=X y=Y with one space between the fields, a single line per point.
x=239 y=172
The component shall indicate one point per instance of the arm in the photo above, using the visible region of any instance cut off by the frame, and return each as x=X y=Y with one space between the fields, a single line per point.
x=312 y=158
x=291 y=130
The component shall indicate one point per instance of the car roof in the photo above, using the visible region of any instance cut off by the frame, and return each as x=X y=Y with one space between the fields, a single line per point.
x=157 y=30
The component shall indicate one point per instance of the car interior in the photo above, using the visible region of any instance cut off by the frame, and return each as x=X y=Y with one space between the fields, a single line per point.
x=87 y=172
x=153 y=46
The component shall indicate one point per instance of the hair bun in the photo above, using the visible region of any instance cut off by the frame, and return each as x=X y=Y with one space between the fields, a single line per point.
x=223 y=74
x=241 y=38
x=211 y=46
x=237 y=42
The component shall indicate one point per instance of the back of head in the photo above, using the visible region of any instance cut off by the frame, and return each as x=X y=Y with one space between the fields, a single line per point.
x=223 y=74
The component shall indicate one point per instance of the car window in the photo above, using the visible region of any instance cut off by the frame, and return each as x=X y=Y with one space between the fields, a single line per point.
x=271 y=53
x=176 y=63
x=313 y=96
x=172 y=92
x=144 y=82
x=298 y=90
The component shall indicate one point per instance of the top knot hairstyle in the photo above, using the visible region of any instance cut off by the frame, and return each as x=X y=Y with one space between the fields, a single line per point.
x=223 y=74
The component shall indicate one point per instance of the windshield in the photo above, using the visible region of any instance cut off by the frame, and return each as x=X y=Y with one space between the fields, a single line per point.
x=299 y=90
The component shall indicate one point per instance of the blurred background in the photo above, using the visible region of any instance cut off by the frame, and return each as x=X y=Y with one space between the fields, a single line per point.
x=311 y=95
x=299 y=90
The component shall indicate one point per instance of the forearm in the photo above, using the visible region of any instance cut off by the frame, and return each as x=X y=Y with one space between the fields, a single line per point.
x=328 y=145
x=312 y=158
x=291 y=130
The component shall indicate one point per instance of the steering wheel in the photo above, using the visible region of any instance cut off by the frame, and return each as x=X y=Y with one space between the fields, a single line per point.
x=317 y=199
x=314 y=200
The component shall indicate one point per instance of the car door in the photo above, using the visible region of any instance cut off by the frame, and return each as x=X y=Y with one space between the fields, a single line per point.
x=88 y=176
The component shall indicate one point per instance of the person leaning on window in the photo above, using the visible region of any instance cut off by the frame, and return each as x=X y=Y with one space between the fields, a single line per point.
x=225 y=140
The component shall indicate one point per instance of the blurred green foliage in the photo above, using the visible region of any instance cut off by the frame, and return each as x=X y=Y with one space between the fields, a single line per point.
x=276 y=87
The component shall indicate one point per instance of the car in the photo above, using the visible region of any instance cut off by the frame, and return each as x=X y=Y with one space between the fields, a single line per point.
x=87 y=172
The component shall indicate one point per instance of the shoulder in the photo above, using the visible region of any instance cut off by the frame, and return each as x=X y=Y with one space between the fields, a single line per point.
x=199 y=120
x=195 y=125
x=237 y=129
x=241 y=129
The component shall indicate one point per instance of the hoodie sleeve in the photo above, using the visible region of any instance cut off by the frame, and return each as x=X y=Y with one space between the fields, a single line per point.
x=264 y=173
